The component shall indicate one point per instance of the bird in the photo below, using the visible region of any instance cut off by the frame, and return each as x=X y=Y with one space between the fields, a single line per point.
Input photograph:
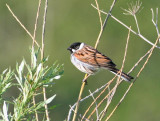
x=89 y=60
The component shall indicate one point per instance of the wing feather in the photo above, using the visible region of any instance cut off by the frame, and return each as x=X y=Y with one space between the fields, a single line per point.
x=93 y=57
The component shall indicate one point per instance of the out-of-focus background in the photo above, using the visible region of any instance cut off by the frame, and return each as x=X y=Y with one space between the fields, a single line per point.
x=74 y=20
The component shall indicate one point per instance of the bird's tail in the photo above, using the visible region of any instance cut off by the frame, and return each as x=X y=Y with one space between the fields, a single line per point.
x=124 y=76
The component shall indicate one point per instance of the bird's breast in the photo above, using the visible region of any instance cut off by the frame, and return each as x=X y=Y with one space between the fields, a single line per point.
x=84 y=67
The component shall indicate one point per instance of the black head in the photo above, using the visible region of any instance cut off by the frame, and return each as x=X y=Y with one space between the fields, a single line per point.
x=73 y=47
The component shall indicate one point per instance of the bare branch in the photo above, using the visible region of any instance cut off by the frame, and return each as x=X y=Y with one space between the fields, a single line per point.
x=105 y=22
x=34 y=37
x=135 y=18
x=155 y=23
x=99 y=13
x=153 y=47
x=43 y=28
x=87 y=97
x=98 y=96
x=95 y=104
x=21 y=24
x=141 y=36
x=119 y=80
x=42 y=55
x=80 y=96
x=36 y=23
x=103 y=112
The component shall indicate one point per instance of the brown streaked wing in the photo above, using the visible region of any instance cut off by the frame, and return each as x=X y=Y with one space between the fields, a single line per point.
x=91 y=56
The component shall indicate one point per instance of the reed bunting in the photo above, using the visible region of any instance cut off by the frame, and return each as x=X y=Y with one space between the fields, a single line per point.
x=90 y=60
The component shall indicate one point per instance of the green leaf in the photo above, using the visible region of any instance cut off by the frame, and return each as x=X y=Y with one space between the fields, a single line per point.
x=49 y=100
x=4 y=71
x=39 y=68
x=21 y=67
x=42 y=104
x=5 y=111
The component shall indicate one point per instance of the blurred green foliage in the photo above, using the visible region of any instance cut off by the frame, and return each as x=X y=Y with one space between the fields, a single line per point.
x=74 y=20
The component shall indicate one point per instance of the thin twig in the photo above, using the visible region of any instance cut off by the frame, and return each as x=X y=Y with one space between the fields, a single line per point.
x=105 y=109
x=21 y=24
x=103 y=100
x=36 y=23
x=118 y=80
x=107 y=105
x=34 y=103
x=141 y=36
x=134 y=79
x=98 y=96
x=43 y=28
x=80 y=96
x=155 y=23
x=34 y=37
x=87 y=97
x=140 y=60
x=105 y=22
x=42 y=56
x=101 y=24
x=109 y=93
x=99 y=13
x=135 y=18
x=95 y=104
x=149 y=52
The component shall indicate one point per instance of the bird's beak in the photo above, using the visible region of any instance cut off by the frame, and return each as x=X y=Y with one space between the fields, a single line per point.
x=69 y=49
